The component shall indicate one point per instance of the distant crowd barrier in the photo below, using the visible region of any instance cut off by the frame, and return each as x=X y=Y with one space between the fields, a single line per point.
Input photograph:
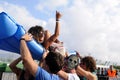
x=8 y=76
x=107 y=78
x=114 y=78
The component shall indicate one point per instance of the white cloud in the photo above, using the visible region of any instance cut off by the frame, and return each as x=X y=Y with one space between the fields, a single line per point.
x=51 y=4
x=21 y=15
x=93 y=28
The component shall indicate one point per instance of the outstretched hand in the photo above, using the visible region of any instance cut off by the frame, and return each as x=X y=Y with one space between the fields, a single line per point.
x=58 y=16
x=27 y=37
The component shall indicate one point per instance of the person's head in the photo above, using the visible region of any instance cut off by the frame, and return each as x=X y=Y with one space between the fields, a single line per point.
x=37 y=32
x=54 y=61
x=88 y=63
x=71 y=62
x=111 y=67
x=58 y=47
x=98 y=68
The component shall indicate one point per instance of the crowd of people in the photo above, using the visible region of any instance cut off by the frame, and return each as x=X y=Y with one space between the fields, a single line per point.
x=106 y=73
x=56 y=63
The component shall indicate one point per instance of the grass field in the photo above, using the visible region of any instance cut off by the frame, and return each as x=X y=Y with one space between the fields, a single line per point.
x=5 y=68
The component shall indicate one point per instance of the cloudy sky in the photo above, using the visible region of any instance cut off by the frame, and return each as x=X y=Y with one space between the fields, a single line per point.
x=91 y=27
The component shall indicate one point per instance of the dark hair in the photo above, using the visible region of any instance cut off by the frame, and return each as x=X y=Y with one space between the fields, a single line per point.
x=89 y=62
x=55 y=61
x=35 y=31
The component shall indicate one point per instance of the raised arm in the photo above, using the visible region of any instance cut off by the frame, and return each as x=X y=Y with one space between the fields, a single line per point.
x=86 y=74
x=63 y=74
x=26 y=55
x=13 y=66
x=53 y=37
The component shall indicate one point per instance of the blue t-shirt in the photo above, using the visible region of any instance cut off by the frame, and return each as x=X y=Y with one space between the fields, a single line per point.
x=42 y=74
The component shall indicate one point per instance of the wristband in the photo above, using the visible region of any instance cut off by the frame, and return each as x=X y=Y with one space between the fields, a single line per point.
x=57 y=20
x=22 y=39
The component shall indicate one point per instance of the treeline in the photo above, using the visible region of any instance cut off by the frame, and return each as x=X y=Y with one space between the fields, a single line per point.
x=117 y=67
